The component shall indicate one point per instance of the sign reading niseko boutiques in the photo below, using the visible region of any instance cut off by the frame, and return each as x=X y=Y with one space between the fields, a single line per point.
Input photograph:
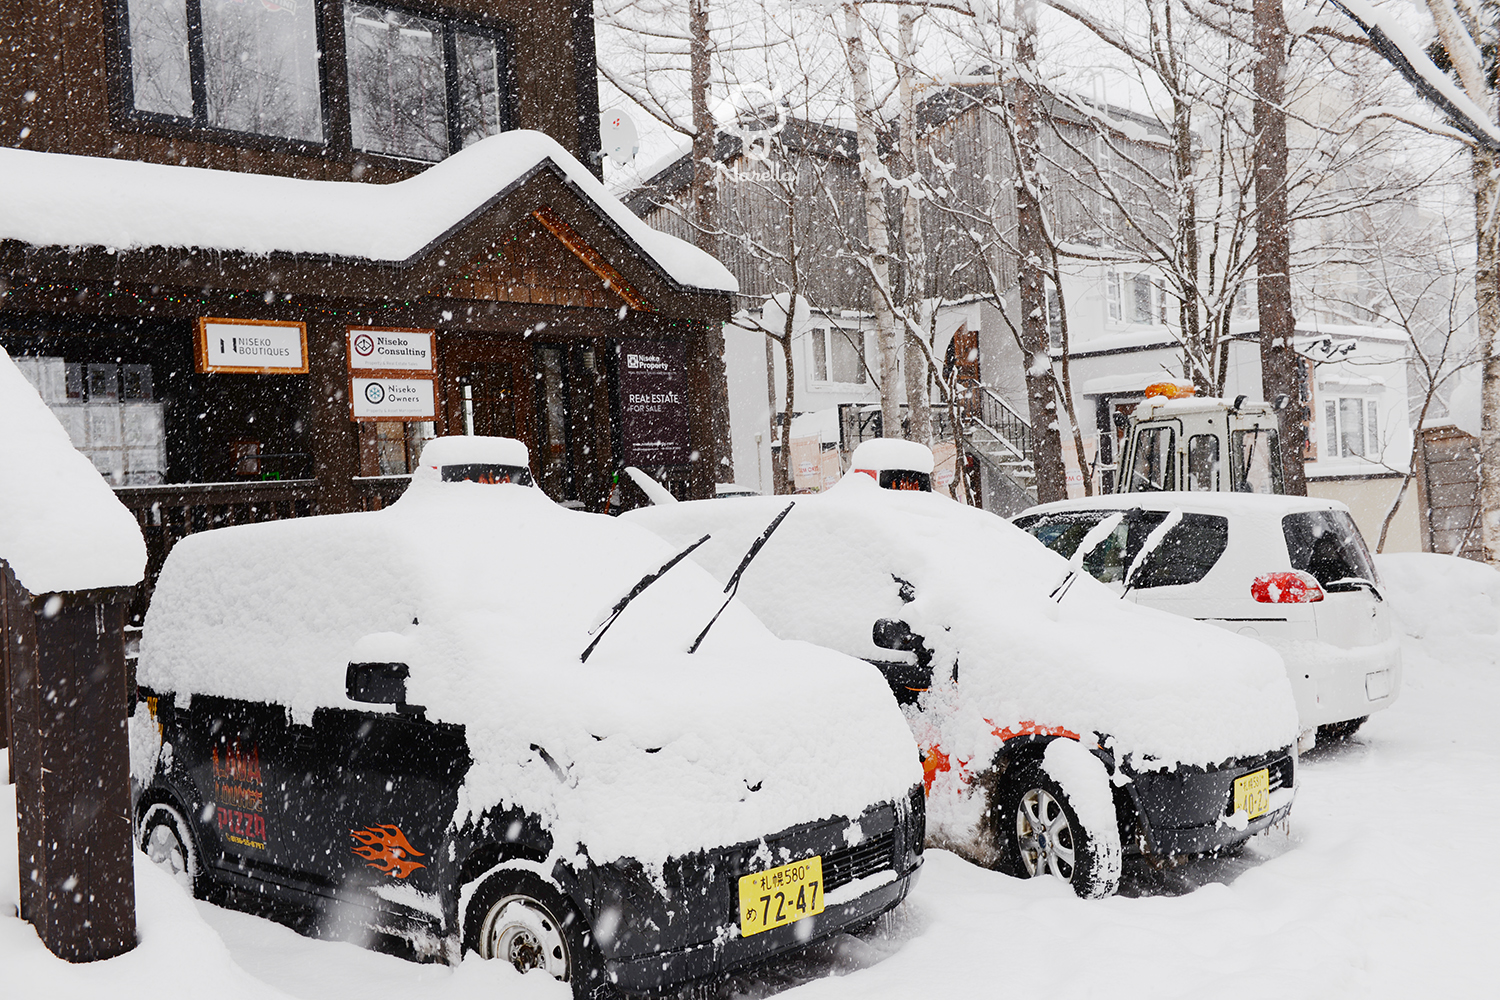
x=373 y=349
x=653 y=403
x=251 y=346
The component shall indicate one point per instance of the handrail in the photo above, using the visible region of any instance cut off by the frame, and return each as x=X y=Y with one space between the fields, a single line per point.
x=1001 y=420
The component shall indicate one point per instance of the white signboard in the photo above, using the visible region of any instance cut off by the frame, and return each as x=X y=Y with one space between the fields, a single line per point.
x=376 y=350
x=251 y=346
x=392 y=399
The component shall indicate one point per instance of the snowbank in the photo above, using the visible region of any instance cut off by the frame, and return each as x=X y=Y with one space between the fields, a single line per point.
x=61 y=526
x=493 y=591
x=1164 y=689
x=53 y=199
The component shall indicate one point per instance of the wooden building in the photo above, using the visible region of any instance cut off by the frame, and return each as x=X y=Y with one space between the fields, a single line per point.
x=189 y=170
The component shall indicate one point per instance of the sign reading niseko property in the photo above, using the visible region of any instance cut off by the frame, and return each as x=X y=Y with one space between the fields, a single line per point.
x=251 y=346
x=372 y=349
x=392 y=399
x=653 y=403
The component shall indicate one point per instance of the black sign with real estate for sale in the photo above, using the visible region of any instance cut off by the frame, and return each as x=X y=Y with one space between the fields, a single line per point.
x=653 y=397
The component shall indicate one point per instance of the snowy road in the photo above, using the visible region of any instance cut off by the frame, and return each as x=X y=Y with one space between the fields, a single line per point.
x=1386 y=885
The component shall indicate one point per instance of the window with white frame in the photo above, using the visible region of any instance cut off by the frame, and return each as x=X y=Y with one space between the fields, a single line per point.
x=838 y=355
x=1143 y=295
x=1112 y=294
x=1054 y=319
x=1351 y=427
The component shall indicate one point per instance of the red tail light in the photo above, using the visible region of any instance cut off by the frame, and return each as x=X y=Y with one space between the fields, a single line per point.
x=1293 y=587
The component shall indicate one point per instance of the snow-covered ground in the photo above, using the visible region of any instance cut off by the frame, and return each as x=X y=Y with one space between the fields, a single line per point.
x=1385 y=885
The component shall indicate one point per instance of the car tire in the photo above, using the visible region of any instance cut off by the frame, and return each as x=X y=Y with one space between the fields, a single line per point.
x=165 y=839
x=1040 y=835
x=517 y=916
x=1332 y=732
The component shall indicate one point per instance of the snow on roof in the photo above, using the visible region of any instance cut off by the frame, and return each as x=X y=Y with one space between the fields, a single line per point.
x=892 y=453
x=55 y=199
x=491 y=593
x=61 y=526
x=474 y=449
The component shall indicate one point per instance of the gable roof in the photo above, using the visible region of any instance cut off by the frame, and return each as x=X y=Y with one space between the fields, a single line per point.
x=59 y=200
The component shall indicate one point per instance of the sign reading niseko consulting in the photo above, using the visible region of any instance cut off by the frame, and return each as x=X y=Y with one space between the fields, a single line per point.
x=379 y=350
x=251 y=346
x=653 y=403
x=392 y=399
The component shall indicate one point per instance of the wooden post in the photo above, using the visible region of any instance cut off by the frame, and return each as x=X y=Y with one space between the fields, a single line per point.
x=70 y=757
x=335 y=445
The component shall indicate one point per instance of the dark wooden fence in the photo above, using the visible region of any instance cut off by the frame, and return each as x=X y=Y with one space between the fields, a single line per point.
x=1448 y=491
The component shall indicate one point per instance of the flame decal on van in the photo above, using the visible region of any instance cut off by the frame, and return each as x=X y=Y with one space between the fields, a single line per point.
x=386 y=849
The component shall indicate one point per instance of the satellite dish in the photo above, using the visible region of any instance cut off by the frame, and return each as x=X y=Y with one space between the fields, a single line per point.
x=618 y=137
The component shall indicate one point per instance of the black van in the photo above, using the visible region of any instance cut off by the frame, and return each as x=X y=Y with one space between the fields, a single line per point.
x=469 y=722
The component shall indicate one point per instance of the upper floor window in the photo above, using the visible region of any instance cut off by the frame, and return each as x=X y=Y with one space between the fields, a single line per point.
x=419 y=88
x=1351 y=427
x=838 y=355
x=245 y=67
x=1112 y=293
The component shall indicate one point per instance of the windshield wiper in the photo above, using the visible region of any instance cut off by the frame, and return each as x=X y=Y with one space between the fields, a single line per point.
x=732 y=587
x=1345 y=584
x=635 y=592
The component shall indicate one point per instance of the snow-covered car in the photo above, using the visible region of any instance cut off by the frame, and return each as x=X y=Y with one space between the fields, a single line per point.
x=1293 y=572
x=1060 y=725
x=469 y=722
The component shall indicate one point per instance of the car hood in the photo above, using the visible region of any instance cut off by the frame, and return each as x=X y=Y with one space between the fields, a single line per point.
x=1159 y=689
x=489 y=594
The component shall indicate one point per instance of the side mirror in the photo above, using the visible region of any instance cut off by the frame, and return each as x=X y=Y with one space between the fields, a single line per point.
x=1122 y=421
x=889 y=634
x=379 y=684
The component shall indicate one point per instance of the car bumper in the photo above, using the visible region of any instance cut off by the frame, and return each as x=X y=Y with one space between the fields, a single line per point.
x=1191 y=810
x=682 y=923
x=1335 y=684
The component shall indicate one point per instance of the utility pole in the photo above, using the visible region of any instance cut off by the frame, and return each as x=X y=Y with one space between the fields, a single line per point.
x=1279 y=364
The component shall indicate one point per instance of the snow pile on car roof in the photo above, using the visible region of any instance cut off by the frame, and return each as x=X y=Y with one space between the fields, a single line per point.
x=473 y=450
x=881 y=454
x=492 y=592
x=1162 y=689
x=61 y=526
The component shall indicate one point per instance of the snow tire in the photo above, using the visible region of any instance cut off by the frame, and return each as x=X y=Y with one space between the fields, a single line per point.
x=517 y=916
x=167 y=841
x=1040 y=834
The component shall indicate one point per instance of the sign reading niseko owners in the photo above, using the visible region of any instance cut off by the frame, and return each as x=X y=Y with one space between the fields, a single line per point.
x=251 y=346
x=392 y=399
x=379 y=350
x=653 y=403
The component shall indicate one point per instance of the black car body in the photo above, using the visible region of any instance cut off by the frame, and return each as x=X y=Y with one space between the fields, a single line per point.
x=463 y=757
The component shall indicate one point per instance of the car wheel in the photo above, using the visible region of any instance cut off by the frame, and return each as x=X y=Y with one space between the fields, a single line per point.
x=1041 y=836
x=519 y=918
x=1335 y=731
x=165 y=840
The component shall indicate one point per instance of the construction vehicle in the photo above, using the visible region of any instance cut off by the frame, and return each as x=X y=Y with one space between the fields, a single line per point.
x=1177 y=440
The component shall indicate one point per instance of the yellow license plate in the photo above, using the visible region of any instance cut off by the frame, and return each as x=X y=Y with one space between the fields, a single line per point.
x=779 y=896
x=1252 y=793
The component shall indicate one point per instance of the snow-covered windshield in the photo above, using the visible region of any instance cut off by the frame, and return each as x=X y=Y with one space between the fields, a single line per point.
x=1327 y=544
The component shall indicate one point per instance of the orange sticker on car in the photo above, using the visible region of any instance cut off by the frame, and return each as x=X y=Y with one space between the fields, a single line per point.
x=385 y=848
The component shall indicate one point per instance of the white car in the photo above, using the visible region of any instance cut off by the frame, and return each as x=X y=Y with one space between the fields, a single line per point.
x=1292 y=572
x=1061 y=727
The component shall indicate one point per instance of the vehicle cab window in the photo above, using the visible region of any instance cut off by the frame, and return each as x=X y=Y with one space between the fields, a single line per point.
x=1256 y=456
x=1203 y=463
x=1154 y=465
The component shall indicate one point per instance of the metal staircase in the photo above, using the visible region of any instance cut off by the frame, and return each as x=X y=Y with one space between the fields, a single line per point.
x=1000 y=438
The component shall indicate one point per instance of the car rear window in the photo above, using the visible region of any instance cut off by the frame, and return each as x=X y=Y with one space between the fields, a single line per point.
x=1190 y=549
x=1327 y=544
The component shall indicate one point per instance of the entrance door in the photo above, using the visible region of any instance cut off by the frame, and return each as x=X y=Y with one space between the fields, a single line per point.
x=486 y=387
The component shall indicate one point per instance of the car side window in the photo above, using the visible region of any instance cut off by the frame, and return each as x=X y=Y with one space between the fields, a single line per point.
x=1154 y=467
x=1185 y=555
x=1327 y=544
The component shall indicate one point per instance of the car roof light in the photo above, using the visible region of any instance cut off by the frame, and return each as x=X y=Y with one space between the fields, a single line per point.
x=1286 y=587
